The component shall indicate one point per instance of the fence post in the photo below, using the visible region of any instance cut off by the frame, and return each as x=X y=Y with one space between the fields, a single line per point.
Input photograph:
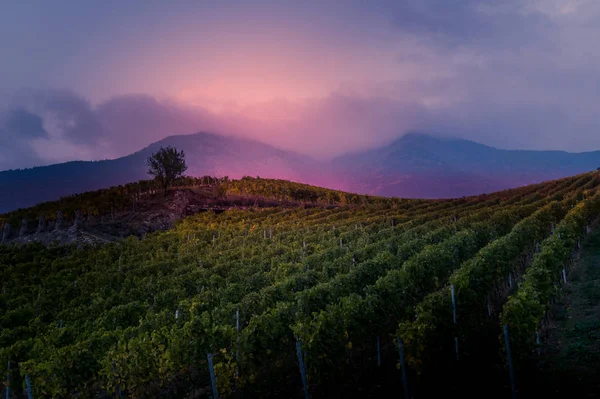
x=213 y=381
x=403 y=365
x=28 y=382
x=511 y=371
x=302 y=368
x=454 y=317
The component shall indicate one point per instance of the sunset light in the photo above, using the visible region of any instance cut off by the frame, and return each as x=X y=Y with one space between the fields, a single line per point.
x=299 y=199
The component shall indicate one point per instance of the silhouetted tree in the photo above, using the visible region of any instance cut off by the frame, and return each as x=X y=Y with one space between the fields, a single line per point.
x=166 y=165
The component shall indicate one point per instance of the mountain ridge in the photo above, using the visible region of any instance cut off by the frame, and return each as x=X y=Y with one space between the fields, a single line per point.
x=206 y=154
x=423 y=165
x=414 y=165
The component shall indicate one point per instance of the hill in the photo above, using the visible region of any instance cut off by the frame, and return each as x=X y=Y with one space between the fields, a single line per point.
x=425 y=166
x=206 y=154
x=253 y=298
x=139 y=208
x=414 y=166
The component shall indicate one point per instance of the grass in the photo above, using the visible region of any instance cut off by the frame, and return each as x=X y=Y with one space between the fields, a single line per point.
x=573 y=346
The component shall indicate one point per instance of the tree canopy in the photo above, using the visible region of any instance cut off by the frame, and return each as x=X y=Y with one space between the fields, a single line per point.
x=166 y=165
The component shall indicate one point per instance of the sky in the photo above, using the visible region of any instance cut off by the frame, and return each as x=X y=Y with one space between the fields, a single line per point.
x=96 y=80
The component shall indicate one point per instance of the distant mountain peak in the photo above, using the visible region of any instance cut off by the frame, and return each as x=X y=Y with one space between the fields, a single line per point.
x=418 y=136
x=421 y=137
x=415 y=165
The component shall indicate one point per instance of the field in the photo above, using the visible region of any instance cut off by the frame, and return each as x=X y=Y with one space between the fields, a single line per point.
x=285 y=301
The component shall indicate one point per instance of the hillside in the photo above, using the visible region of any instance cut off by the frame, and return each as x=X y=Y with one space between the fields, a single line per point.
x=206 y=154
x=424 y=166
x=309 y=296
x=140 y=208
x=414 y=166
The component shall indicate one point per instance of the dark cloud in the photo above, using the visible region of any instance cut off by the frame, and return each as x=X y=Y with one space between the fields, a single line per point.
x=133 y=119
x=17 y=152
x=73 y=115
x=513 y=74
x=45 y=126
x=73 y=129
x=18 y=127
x=17 y=155
x=326 y=127
x=471 y=22
x=452 y=20
x=24 y=124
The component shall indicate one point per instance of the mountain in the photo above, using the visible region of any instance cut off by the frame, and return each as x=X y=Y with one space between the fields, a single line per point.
x=415 y=165
x=421 y=165
x=206 y=154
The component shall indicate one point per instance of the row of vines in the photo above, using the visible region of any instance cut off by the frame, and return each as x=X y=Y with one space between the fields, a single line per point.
x=138 y=318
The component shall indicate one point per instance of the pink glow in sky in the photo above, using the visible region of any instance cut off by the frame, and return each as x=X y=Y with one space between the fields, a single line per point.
x=320 y=77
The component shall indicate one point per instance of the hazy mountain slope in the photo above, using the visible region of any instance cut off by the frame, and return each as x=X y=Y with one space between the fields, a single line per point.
x=419 y=165
x=206 y=154
x=416 y=165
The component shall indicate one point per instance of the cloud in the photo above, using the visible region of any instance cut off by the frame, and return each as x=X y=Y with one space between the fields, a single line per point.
x=70 y=115
x=471 y=22
x=517 y=74
x=22 y=123
x=48 y=126
x=18 y=129
x=342 y=122
x=131 y=121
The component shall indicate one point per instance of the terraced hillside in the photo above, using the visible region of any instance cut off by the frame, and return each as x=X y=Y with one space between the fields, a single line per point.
x=295 y=300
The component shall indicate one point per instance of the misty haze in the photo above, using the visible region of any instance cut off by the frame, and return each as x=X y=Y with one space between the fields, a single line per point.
x=313 y=199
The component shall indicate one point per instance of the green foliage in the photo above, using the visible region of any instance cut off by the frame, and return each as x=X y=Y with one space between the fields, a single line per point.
x=472 y=282
x=525 y=310
x=166 y=165
x=138 y=315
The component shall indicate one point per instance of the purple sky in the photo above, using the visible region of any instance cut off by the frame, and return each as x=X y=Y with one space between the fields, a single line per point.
x=93 y=80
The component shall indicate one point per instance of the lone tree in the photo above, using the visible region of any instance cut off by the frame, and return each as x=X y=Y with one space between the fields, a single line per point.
x=166 y=165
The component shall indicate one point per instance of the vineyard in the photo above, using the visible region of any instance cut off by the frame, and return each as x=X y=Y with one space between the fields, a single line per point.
x=292 y=301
